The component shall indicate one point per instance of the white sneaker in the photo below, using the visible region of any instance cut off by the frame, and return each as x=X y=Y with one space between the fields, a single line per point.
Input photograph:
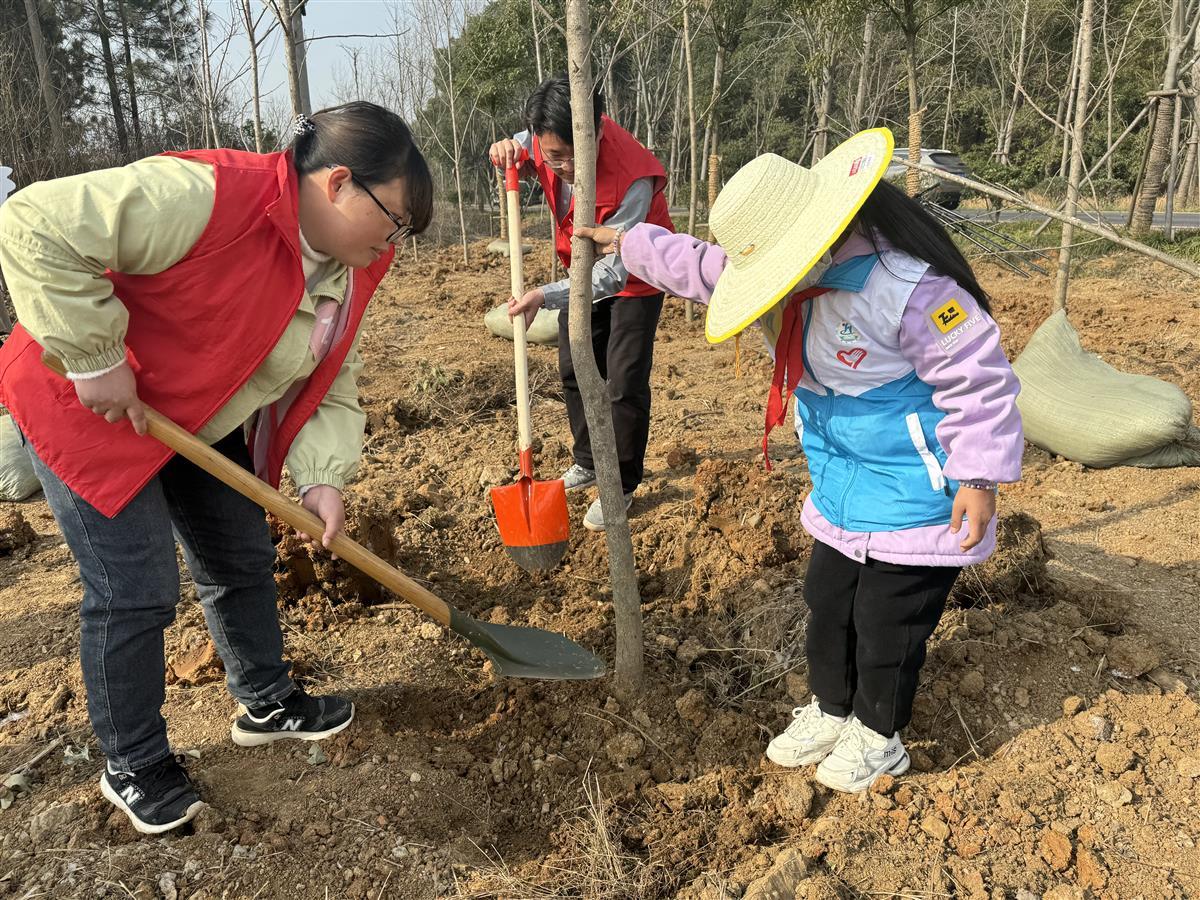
x=861 y=756
x=809 y=738
x=593 y=519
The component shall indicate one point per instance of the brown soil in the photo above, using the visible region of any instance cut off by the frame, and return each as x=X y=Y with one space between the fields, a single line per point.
x=1056 y=743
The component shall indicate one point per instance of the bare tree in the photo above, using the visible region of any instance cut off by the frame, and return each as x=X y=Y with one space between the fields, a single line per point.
x=110 y=75
x=627 y=603
x=1083 y=83
x=252 y=39
x=45 y=86
x=130 y=82
x=1181 y=30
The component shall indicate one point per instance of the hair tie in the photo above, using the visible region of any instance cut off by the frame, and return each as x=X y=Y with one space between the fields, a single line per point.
x=302 y=126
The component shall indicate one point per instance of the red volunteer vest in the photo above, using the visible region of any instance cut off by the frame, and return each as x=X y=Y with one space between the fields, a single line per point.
x=620 y=161
x=196 y=333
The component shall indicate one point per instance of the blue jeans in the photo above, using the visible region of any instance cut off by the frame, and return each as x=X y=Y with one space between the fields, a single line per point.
x=131 y=586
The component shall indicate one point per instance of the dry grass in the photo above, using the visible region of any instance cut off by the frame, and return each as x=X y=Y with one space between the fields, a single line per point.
x=589 y=863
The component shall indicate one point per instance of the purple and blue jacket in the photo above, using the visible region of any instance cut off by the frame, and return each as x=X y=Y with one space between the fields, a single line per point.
x=906 y=392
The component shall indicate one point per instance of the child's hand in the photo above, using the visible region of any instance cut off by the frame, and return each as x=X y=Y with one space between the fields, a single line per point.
x=528 y=305
x=602 y=236
x=979 y=506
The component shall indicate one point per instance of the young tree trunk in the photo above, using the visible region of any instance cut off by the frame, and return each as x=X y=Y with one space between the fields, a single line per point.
x=1005 y=144
x=45 y=84
x=1072 y=99
x=248 y=18
x=208 y=100
x=1187 y=177
x=1083 y=83
x=300 y=48
x=860 y=93
x=1179 y=33
x=913 y=181
x=537 y=40
x=950 y=86
x=284 y=13
x=130 y=82
x=1173 y=171
x=676 y=138
x=627 y=603
x=454 y=133
x=710 y=122
x=693 y=167
x=825 y=97
x=693 y=149
x=110 y=75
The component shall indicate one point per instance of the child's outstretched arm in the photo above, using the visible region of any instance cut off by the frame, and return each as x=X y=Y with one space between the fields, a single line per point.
x=955 y=347
x=676 y=263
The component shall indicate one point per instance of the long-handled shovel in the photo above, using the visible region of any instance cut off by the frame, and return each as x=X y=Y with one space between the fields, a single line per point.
x=516 y=651
x=531 y=515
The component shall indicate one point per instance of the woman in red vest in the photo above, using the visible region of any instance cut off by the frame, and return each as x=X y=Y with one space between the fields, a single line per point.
x=225 y=289
x=625 y=310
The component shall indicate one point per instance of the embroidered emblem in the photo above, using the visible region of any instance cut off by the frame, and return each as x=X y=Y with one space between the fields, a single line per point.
x=948 y=316
x=848 y=334
x=852 y=358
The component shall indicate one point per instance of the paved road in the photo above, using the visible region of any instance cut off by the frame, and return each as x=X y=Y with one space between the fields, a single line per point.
x=1183 y=220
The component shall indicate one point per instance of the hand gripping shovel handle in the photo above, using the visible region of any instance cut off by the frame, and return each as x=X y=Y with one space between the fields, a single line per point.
x=245 y=483
x=516 y=262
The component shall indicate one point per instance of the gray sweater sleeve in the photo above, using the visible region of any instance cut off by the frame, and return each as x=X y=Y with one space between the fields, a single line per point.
x=609 y=274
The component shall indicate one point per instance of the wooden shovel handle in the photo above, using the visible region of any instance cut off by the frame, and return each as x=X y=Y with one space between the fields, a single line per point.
x=245 y=483
x=516 y=262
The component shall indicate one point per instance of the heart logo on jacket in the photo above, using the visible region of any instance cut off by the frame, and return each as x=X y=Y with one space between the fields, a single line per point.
x=852 y=358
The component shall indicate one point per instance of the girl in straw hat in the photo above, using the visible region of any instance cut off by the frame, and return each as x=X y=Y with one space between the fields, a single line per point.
x=906 y=408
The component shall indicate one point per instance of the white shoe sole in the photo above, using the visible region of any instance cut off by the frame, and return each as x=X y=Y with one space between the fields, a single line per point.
x=790 y=760
x=259 y=738
x=581 y=486
x=899 y=767
x=115 y=799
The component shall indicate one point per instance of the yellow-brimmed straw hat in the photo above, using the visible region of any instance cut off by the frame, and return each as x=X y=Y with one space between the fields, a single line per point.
x=775 y=219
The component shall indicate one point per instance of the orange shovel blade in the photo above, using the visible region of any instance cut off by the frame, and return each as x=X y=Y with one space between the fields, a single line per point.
x=533 y=521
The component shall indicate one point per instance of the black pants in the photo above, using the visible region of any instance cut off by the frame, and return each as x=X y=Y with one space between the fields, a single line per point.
x=866 y=636
x=623 y=339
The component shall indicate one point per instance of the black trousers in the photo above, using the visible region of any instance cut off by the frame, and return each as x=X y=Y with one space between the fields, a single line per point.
x=866 y=636
x=623 y=340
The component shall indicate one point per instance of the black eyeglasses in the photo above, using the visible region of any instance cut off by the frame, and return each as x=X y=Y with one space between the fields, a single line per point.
x=403 y=229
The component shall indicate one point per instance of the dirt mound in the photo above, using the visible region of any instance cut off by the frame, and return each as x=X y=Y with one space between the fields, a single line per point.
x=15 y=533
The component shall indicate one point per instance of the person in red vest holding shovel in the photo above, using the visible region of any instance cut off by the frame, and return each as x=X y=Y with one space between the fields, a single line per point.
x=225 y=289
x=625 y=310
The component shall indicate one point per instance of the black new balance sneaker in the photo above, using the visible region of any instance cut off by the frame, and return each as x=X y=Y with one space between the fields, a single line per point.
x=297 y=716
x=156 y=799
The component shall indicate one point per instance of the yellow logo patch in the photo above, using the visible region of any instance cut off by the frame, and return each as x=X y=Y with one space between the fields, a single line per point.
x=948 y=316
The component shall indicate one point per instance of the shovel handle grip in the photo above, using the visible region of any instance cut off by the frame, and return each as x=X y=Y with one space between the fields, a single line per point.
x=245 y=483
x=516 y=261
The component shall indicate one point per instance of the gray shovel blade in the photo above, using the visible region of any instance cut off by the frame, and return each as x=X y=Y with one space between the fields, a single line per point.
x=521 y=652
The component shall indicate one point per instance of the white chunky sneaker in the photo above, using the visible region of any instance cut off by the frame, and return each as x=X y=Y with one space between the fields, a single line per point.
x=809 y=738
x=861 y=756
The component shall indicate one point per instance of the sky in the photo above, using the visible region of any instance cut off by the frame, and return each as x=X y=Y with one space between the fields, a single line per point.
x=326 y=58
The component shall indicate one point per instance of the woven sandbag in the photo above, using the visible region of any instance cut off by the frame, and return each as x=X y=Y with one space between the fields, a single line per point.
x=544 y=329
x=1078 y=406
x=17 y=480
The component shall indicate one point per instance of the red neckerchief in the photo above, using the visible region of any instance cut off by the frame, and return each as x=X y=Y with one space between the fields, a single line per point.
x=789 y=362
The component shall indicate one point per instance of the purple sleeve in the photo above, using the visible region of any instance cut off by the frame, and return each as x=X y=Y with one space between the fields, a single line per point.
x=955 y=348
x=676 y=263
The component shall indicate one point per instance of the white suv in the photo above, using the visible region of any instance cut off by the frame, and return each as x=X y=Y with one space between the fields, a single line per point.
x=941 y=192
